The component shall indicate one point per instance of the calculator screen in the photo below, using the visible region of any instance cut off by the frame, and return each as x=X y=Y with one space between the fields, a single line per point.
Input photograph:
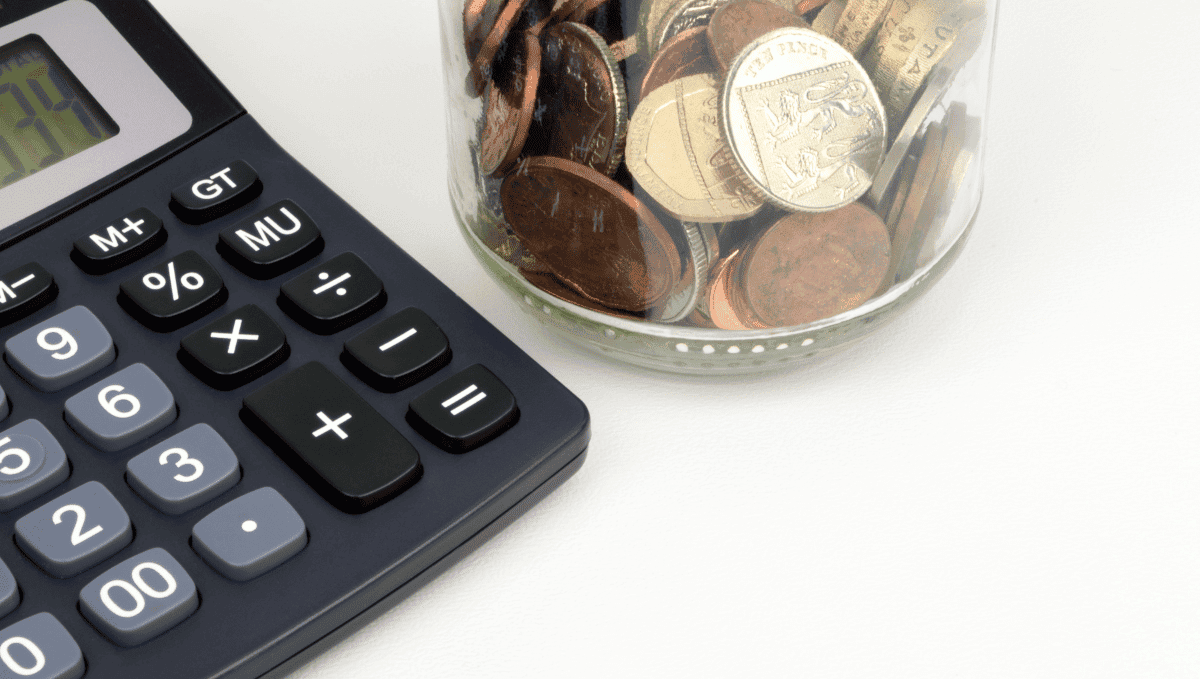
x=46 y=115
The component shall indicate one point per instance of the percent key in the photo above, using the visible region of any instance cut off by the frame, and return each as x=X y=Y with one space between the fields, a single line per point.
x=174 y=293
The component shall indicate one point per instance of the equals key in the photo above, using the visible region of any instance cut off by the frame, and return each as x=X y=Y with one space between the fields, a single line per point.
x=464 y=412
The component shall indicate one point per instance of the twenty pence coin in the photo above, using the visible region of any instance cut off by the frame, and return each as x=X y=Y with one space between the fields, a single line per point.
x=594 y=235
x=807 y=268
x=582 y=109
x=804 y=122
x=677 y=154
x=741 y=22
x=509 y=111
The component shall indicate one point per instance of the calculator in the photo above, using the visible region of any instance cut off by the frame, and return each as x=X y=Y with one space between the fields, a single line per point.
x=238 y=422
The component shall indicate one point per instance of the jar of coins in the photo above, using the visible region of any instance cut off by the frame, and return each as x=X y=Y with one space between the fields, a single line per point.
x=710 y=186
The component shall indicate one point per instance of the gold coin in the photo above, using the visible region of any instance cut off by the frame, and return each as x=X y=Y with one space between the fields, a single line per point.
x=828 y=17
x=906 y=36
x=895 y=14
x=937 y=87
x=963 y=135
x=678 y=155
x=940 y=37
x=858 y=23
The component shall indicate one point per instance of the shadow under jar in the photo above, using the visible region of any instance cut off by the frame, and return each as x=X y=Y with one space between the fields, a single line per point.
x=716 y=186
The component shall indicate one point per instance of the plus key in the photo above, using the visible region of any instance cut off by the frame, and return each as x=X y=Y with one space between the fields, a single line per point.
x=333 y=438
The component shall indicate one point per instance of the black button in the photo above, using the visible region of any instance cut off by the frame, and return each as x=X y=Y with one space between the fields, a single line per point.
x=24 y=290
x=216 y=193
x=333 y=296
x=399 y=352
x=465 y=411
x=173 y=294
x=235 y=349
x=271 y=242
x=342 y=446
x=121 y=243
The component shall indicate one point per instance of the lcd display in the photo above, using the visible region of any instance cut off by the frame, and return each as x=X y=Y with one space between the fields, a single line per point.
x=46 y=115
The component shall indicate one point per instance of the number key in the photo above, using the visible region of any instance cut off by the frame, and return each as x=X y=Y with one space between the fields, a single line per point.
x=61 y=351
x=185 y=471
x=76 y=531
x=39 y=647
x=139 y=598
x=123 y=409
x=31 y=463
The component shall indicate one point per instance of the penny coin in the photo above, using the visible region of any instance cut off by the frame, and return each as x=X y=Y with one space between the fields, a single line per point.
x=584 y=8
x=805 y=7
x=581 y=110
x=808 y=267
x=685 y=54
x=939 y=83
x=740 y=22
x=804 y=121
x=598 y=238
x=922 y=182
x=509 y=111
x=678 y=155
x=481 y=65
x=551 y=285
x=859 y=23
x=723 y=303
x=893 y=210
x=828 y=17
x=479 y=17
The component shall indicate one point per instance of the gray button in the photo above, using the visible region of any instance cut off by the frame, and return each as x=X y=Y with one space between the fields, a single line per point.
x=185 y=471
x=31 y=463
x=250 y=535
x=39 y=647
x=139 y=598
x=61 y=351
x=122 y=409
x=75 y=532
x=5 y=409
x=10 y=596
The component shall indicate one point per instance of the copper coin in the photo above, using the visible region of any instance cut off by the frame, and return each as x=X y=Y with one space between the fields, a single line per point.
x=581 y=111
x=598 y=238
x=741 y=22
x=724 y=305
x=585 y=8
x=481 y=66
x=551 y=285
x=558 y=13
x=479 y=17
x=805 y=6
x=509 y=111
x=686 y=54
x=810 y=267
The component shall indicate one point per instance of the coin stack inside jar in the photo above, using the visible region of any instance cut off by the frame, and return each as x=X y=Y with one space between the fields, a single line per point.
x=731 y=164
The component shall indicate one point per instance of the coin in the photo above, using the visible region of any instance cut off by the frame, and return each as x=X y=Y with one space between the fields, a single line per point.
x=687 y=15
x=678 y=155
x=741 y=22
x=804 y=7
x=701 y=241
x=895 y=14
x=685 y=54
x=893 y=210
x=584 y=8
x=724 y=303
x=509 y=111
x=649 y=18
x=902 y=237
x=581 y=110
x=598 y=238
x=939 y=83
x=803 y=120
x=959 y=30
x=481 y=65
x=932 y=209
x=551 y=285
x=808 y=267
x=623 y=49
x=961 y=177
x=828 y=17
x=859 y=23
x=479 y=17
x=905 y=37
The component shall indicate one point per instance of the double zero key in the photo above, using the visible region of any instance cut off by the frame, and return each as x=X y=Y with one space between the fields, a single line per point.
x=333 y=438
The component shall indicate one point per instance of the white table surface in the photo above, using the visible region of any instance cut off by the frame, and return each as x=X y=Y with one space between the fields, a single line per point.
x=1004 y=483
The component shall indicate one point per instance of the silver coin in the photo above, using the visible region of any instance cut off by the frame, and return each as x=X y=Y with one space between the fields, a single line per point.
x=804 y=121
x=936 y=88
x=702 y=247
x=687 y=14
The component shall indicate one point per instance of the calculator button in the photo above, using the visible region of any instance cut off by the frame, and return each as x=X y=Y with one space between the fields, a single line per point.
x=5 y=408
x=122 y=409
x=250 y=535
x=235 y=349
x=39 y=647
x=465 y=411
x=32 y=462
x=24 y=290
x=216 y=193
x=333 y=296
x=174 y=294
x=119 y=244
x=398 y=352
x=10 y=595
x=185 y=471
x=271 y=242
x=61 y=351
x=333 y=438
x=76 y=531
x=139 y=598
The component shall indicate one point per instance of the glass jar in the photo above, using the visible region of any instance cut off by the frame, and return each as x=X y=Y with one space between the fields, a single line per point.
x=716 y=186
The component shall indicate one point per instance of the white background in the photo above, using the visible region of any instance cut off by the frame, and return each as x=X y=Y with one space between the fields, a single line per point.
x=1003 y=483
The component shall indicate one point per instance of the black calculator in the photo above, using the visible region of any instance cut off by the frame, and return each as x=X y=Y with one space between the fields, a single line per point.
x=238 y=422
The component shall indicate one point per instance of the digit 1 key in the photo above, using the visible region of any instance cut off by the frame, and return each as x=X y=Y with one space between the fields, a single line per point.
x=333 y=438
